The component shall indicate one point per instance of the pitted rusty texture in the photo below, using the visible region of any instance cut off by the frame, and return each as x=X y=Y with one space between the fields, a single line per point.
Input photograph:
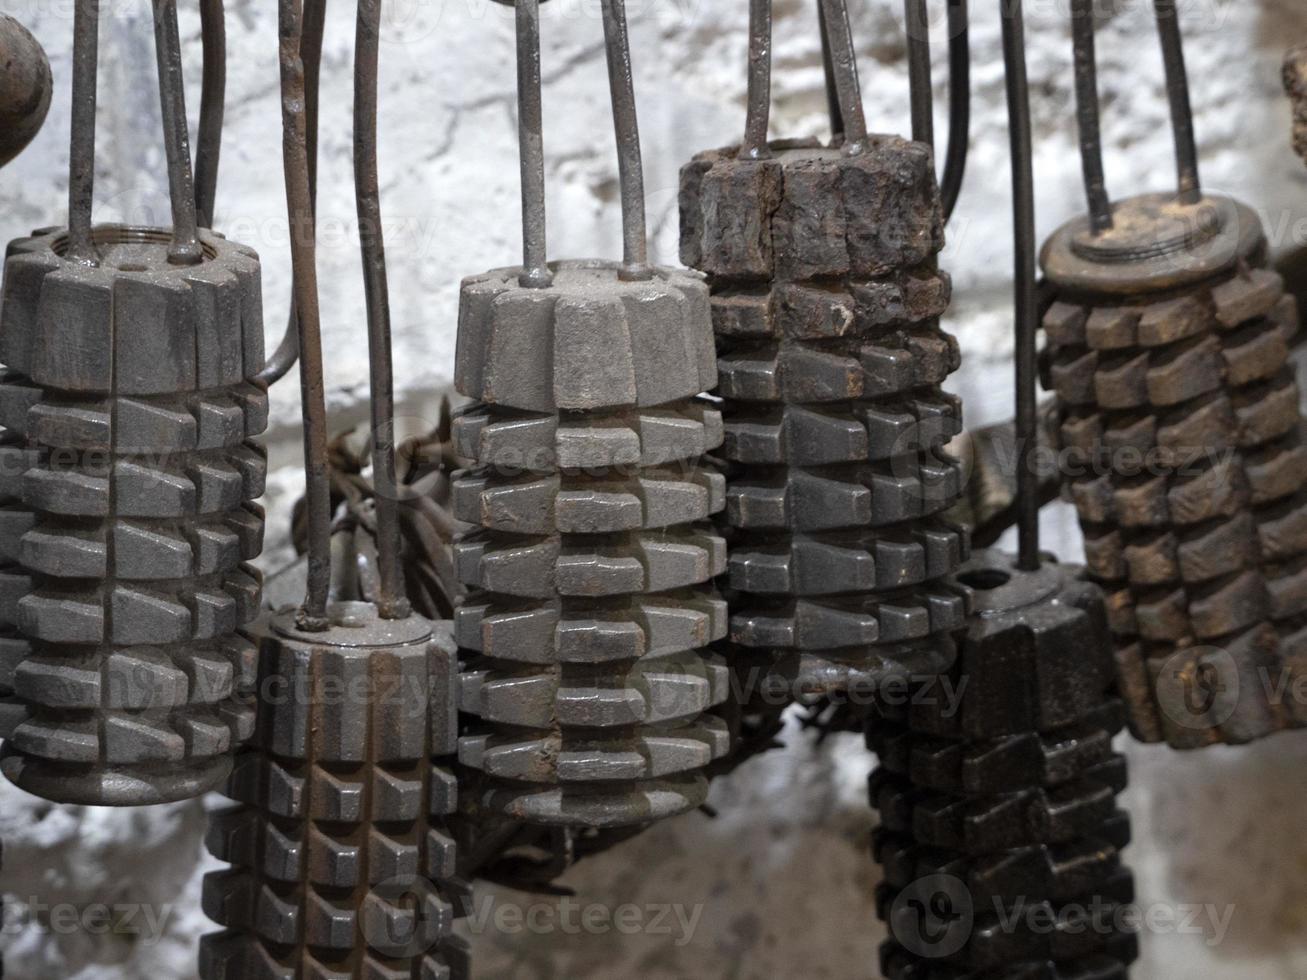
x=591 y=567
x=997 y=791
x=1181 y=439
x=129 y=475
x=826 y=300
x=1295 y=84
x=342 y=863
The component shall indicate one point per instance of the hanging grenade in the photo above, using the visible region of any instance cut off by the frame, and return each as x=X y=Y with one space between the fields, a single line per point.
x=592 y=567
x=130 y=473
x=826 y=299
x=342 y=863
x=1169 y=345
x=591 y=570
x=997 y=792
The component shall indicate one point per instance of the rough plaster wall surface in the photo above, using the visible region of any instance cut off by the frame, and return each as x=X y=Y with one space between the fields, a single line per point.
x=781 y=878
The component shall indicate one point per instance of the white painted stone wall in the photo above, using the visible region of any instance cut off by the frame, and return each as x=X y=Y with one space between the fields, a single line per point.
x=783 y=876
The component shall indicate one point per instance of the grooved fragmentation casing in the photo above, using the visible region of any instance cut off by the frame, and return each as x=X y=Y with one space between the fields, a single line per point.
x=128 y=473
x=826 y=300
x=997 y=792
x=1181 y=443
x=342 y=865
x=591 y=568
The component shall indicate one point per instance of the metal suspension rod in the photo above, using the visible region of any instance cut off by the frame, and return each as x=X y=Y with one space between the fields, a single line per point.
x=630 y=166
x=391 y=601
x=828 y=66
x=959 y=105
x=1091 y=140
x=185 y=249
x=531 y=149
x=315 y=14
x=1026 y=311
x=81 y=150
x=758 y=116
x=303 y=249
x=844 y=65
x=1189 y=188
x=213 y=92
x=919 y=81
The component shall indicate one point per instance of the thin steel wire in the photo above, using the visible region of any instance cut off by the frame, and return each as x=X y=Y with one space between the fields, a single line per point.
x=959 y=105
x=1188 y=186
x=391 y=601
x=303 y=249
x=185 y=248
x=531 y=149
x=919 y=80
x=213 y=93
x=1091 y=140
x=81 y=150
x=828 y=68
x=315 y=14
x=758 y=115
x=630 y=166
x=1024 y=276
x=844 y=67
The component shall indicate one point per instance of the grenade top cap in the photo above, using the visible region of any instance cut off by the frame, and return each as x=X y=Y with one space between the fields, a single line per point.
x=192 y=327
x=354 y=625
x=1156 y=243
x=809 y=212
x=591 y=340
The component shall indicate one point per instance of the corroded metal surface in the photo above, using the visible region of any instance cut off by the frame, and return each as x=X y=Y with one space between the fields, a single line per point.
x=592 y=564
x=997 y=791
x=826 y=305
x=342 y=863
x=1180 y=422
x=1295 y=83
x=25 y=87
x=130 y=472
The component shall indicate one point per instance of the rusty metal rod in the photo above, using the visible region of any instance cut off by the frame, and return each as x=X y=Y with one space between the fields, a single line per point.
x=1026 y=309
x=959 y=105
x=315 y=15
x=185 y=248
x=919 y=81
x=828 y=67
x=531 y=148
x=844 y=65
x=81 y=150
x=391 y=602
x=1189 y=188
x=1091 y=140
x=630 y=166
x=758 y=116
x=303 y=251
x=213 y=94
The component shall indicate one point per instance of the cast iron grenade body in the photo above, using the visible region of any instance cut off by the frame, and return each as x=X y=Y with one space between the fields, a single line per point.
x=591 y=573
x=1168 y=342
x=131 y=475
x=997 y=790
x=129 y=478
x=342 y=863
x=1180 y=412
x=1000 y=835
x=826 y=298
x=591 y=569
